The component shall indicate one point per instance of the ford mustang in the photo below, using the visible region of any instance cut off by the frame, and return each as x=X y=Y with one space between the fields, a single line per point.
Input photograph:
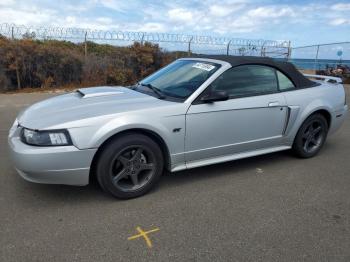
x=193 y=112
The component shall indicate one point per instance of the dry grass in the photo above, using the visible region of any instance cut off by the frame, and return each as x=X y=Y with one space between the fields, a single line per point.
x=308 y=71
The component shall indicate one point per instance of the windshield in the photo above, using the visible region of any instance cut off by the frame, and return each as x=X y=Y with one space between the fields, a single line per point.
x=180 y=78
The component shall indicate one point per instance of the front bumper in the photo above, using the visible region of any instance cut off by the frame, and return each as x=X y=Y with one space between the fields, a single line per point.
x=50 y=165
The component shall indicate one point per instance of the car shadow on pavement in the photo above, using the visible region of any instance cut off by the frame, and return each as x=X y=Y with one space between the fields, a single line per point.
x=231 y=168
x=236 y=167
x=59 y=193
x=92 y=192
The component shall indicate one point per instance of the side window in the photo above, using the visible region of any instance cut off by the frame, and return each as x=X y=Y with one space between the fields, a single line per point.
x=284 y=82
x=247 y=80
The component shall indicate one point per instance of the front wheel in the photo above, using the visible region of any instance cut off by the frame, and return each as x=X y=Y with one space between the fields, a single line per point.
x=129 y=166
x=311 y=136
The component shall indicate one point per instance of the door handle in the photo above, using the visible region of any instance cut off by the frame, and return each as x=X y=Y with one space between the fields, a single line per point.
x=272 y=104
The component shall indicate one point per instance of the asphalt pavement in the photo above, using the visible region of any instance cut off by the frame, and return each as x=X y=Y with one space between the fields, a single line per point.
x=268 y=208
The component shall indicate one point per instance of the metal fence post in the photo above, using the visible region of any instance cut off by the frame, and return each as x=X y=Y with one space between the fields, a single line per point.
x=263 y=51
x=289 y=54
x=143 y=36
x=189 y=47
x=316 y=57
x=18 y=78
x=85 y=45
x=228 y=48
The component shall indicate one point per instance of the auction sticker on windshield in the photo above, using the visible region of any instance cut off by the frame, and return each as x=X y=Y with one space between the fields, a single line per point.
x=203 y=66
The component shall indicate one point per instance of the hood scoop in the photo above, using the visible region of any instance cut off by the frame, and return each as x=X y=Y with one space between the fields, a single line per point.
x=98 y=91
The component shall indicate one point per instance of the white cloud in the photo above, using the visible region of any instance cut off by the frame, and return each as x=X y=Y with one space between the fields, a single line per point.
x=341 y=7
x=340 y=21
x=271 y=12
x=7 y=2
x=29 y=14
x=151 y=27
x=78 y=7
x=104 y=20
x=86 y=23
x=33 y=16
x=250 y=20
x=113 y=4
x=180 y=15
x=223 y=10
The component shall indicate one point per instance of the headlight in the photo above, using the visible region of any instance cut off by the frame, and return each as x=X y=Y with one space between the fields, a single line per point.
x=46 y=138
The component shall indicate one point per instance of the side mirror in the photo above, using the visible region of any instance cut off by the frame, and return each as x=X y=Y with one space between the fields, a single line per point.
x=214 y=96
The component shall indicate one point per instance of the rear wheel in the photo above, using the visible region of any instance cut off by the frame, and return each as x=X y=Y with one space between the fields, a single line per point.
x=129 y=166
x=311 y=136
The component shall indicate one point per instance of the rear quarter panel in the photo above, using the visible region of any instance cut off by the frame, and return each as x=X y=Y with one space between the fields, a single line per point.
x=304 y=102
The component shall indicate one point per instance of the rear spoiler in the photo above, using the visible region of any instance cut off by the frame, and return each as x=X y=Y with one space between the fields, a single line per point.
x=330 y=79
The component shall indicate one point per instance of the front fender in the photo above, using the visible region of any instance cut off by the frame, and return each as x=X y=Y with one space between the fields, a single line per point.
x=163 y=126
x=116 y=126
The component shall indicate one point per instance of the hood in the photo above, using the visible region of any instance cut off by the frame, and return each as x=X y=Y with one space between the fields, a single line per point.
x=86 y=103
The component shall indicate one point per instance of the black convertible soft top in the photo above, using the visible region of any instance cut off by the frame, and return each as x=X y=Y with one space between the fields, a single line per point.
x=299 y=80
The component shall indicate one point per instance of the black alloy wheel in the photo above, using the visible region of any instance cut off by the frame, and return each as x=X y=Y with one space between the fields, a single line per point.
x=311 y=136
x=132 y=168
x=129 y=165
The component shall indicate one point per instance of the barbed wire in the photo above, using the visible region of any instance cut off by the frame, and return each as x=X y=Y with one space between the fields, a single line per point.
x=21 y=31
x=193 y=43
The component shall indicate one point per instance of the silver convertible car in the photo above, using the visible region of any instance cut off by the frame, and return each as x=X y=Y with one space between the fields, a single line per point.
x=193 y=112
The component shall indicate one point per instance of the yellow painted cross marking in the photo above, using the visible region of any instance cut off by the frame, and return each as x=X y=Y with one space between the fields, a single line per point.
x=144 y=235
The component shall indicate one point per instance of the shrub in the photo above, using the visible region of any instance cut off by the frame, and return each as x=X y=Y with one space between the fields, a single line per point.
x=51 y=63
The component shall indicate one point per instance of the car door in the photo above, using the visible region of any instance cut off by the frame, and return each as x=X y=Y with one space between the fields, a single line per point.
x=254 y=116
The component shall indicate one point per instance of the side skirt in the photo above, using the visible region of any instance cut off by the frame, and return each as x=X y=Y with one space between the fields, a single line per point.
x=221 y=159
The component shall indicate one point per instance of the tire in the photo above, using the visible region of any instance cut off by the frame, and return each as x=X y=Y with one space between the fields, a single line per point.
x=311 y=136
x=129 y=166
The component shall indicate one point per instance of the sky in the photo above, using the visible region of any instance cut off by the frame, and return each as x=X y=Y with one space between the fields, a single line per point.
x=301 y=22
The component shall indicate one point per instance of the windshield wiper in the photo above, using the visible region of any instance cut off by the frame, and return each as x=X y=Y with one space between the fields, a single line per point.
x=154 y=89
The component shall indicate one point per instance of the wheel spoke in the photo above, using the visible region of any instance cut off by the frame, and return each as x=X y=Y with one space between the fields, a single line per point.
x=306 y=135
x=311 y=128
x=119 y=176
x=314 y=141
x=123 y=160
x=306 y=145
x=135 y=179
x=316 y=130
x=137 y=154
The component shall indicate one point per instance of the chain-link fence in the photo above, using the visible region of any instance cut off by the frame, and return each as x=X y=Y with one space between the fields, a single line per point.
x=169 y=42
x=85 y=57
x=331 y=59
x=321 y=57
x=117 y=64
